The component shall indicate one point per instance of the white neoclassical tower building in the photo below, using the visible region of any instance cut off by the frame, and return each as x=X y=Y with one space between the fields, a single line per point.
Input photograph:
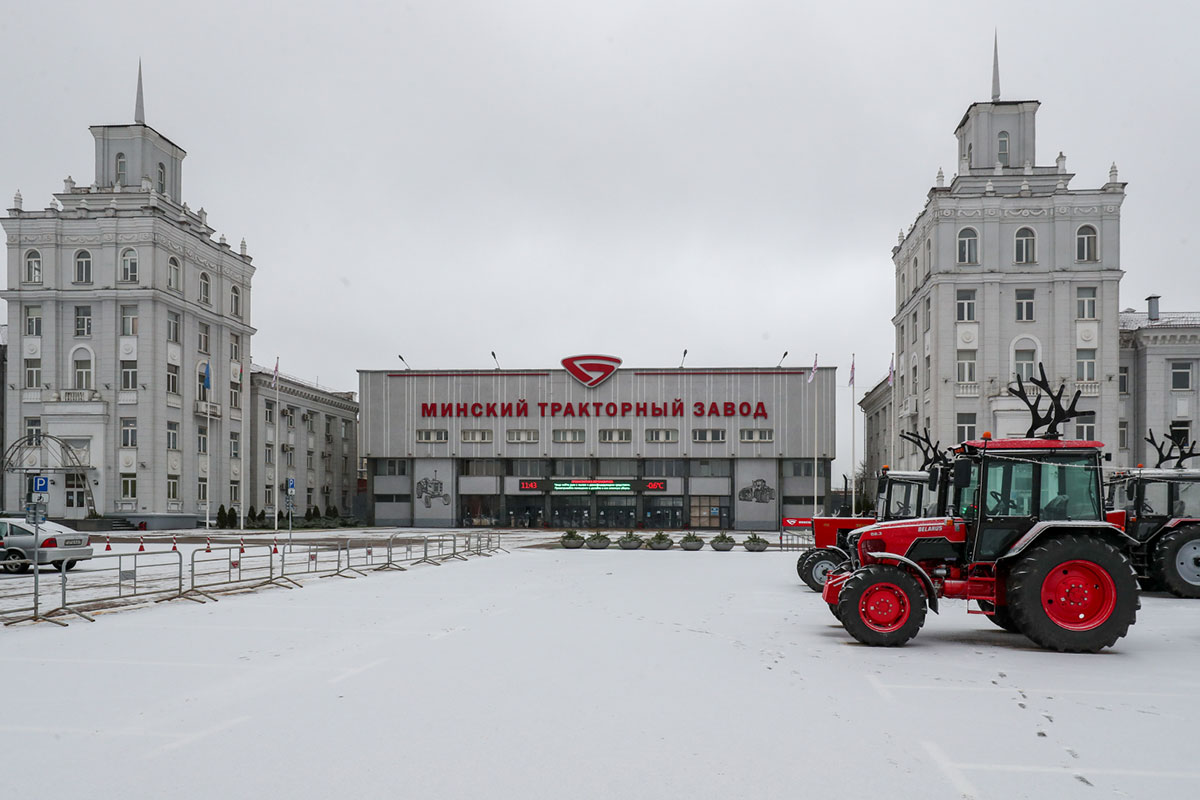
x=1007 y=266
x=120 y=303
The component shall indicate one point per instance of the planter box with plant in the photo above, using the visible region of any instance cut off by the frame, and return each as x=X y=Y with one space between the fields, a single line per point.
x=630 y=541
x=571 y=540
x=722 y=541
x=598 y=541
x=755 y=543
x=691 y=541
x=660 y=541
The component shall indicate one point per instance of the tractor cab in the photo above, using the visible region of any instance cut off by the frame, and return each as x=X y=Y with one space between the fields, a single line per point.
x=1153 y=498
x=903 y=494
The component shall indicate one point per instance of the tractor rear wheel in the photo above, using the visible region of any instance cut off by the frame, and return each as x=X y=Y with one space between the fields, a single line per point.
x=1073 y=594
x=1176 y=562
x=882 y=606
x=999 y=615
x=819 y=564
x=800 y=561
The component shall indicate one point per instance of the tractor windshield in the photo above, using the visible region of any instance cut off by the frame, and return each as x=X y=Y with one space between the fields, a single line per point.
x=1188 y=503
x=1069 y=488
x=966 y=503
x=1154 y=499
x=904 y=500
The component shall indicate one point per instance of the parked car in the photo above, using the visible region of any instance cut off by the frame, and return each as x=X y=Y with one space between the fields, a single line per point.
x=58 y=545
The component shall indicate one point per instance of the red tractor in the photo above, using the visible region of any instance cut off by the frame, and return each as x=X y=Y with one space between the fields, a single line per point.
x=1162 y=510
x=1026 y=538
x=902 y=495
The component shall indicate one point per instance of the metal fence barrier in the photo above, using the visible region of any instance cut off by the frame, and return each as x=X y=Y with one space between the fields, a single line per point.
x=113 y=579
x=795 y=539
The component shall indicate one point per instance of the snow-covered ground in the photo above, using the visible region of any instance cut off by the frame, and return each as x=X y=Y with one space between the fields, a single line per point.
x=548 y=673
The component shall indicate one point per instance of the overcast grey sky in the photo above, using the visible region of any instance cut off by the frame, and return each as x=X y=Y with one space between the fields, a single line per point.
x=444 y=179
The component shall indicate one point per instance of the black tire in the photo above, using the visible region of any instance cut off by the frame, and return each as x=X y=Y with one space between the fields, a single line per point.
x=882 y=606
x=819 y=564
x=800 y=561
x=1090 y=591
x=1001 y=617
x=1150 y=584
x=10 y=565
x=833 y=609
x=1176 y=562
x=71 y=564
x=64 y=565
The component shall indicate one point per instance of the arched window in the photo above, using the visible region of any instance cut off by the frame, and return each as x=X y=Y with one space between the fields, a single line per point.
x=129 y=265
x=969 y=155
x=1002 y=148
x=928 y=256
x=1025 y=358
x=120 y=177
x=1085 y=243
x=235 y=301
x=1026 y=247
x=162 y=178
x=205 y=288
x=33 y=267
x=83 y=267
x=968 y=246
x=174 y=273
x=82 y=363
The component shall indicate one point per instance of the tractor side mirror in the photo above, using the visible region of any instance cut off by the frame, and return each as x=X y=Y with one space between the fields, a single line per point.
x=962 y=473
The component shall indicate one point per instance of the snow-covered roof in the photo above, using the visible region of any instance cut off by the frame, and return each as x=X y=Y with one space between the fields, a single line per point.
x=1135 y=320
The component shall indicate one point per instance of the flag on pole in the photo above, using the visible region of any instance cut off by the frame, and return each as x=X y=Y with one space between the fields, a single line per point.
x=892 y=370
x=207 y=376
x=814 y=369
x=275 y=378
x=851 y=371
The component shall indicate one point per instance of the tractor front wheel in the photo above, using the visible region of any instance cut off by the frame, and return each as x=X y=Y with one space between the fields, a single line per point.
x=882 y=606
x=1176 y=562
x=1073 y=594
x=819 y=563
x=800 y=561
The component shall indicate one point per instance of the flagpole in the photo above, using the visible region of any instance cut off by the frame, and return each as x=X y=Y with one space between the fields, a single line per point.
x=208 y=442
x=278 y=484
x=895 y=412
x=853 y=447
x=816 y=402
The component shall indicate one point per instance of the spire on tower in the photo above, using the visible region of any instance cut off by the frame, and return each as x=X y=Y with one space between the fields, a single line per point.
x=995 y=67
x=139 y=111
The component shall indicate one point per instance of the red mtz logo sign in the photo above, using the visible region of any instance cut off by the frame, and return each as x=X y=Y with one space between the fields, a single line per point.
x=591 y=371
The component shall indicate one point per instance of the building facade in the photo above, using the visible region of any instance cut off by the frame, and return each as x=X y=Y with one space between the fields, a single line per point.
x=304 y=433
x=131 y=338
x=591 y=445
x=1005 y=268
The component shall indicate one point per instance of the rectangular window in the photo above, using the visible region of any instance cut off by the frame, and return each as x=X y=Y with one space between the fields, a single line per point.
x=269 y=412
x=33 y=320
x=530 y=468
x=1181 y=375
x=662 y=435
x=83 y=373
x=521 y=436
x=712 y=468
x=749 y=435
x=966 y=366
x=83 y=320
x=269 y=495
x=1025 y=305
x=235 y=395
x=1024 y=364
x=1085 y=431
x=172 y=379
x=289 y=457
x=129 y=320
x=201 y=390
x=966 y=305
x=1085 y=365
x=174 y=280
x=568 y=435
x=201 y=439
x=347 y=428
x=483 y=467
x=434 y=435
x=573 y=467
x=33 y=429
x=914 y=327
x=33 y=373
x=1181 y=432
x=172 y=487
x=965 y=427
x=269 y=454
x=129 y=374
x=128 y=432
x=291 y=417
x=616 y=467
x=202 y=337
x=928 y=313
x=173 y=326
x=202 y=489
x=235 y=444
x=1123 y=380
x=308 y=459
x=308 y=422
x=235 y=347
x=476 y=436
x=1085 y=302
x=235 y=491
x=614 y=435
x=708 y=435
x=1123 y=435
x=172 y=435
x=128 y=487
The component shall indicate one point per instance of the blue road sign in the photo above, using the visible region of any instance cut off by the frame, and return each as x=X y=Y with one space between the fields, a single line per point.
x=41 y=483
x=291 y=484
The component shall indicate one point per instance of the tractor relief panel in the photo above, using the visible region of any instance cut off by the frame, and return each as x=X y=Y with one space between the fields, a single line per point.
x=756 y=484
x=433 y=499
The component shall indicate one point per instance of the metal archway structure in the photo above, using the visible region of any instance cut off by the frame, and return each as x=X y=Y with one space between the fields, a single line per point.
x=16 y=458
